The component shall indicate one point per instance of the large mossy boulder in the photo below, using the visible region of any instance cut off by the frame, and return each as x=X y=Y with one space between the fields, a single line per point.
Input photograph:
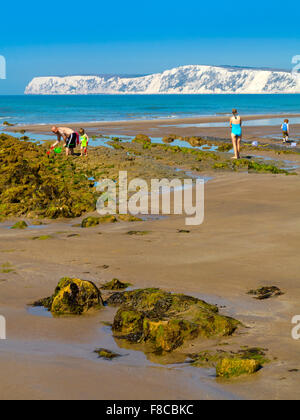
x=167 y=320
x=73 y=297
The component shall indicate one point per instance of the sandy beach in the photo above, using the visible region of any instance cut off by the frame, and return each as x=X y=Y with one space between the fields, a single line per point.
x=178 y=126
x=244 y=243
x=248 y=240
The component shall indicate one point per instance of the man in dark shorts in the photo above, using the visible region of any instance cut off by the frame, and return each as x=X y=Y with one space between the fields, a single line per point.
x=69 y=136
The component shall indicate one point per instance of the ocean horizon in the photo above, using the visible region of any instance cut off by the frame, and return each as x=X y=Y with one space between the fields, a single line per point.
x=24 y=109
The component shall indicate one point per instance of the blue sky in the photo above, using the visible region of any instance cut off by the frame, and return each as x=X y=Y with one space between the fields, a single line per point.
x=135 y=37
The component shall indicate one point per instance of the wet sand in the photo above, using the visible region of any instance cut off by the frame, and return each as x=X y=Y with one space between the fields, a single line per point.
x=249 y=239
x=160 y=128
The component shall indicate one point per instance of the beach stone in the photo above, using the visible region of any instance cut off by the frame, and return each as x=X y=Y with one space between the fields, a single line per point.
x=170 y=138
x=167 y=320
x=195 y=141
x=72 y=297
x=142 y=138
x=138 y=232
x=115 y=284
x=129 y=218
x=228 y=368
x=95 y=221
x=106 y=354
x=20 y=225
x=266 y=292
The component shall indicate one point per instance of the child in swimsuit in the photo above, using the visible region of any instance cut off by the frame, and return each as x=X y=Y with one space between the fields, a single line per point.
x=285 y=131
x=236 y=133
x=84 y=141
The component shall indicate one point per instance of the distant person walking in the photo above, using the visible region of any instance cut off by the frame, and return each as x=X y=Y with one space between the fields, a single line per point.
x=68 y=135
x=236 y=133
x=285 y=131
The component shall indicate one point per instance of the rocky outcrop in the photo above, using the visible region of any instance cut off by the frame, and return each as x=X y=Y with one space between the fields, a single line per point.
x=167 y=320
x=72 y=297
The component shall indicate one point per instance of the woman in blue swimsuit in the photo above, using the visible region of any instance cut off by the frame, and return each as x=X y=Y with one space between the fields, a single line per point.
x=236 y=133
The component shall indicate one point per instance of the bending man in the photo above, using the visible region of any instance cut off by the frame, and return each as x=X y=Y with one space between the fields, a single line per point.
x=68 y=135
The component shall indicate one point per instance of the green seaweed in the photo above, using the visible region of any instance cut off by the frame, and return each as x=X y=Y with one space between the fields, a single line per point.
x=115 y=284
x=42 y=238
x=266 y=292
x=95 y=221
x=72 y=297
x=167 y=320
x=106 y=354
x=20 y=225
x=138 y=232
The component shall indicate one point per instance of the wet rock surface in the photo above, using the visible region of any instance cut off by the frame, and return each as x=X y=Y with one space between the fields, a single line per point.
x=115 y=284
x=72 y=297
x=266 y=292
x=167 y=320
x=20 y=225
x=231 y=363
x=228 y=368
x=106 y=354
x=95 y=221
x=142 y=138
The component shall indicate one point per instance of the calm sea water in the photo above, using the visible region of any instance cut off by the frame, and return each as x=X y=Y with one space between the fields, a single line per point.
x=59 y=109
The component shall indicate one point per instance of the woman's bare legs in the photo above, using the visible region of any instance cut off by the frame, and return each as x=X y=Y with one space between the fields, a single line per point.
x=239 y=139
x=236 y=141
x=235 y=146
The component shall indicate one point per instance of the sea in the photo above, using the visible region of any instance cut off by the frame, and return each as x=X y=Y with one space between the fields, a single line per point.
x=95 y=108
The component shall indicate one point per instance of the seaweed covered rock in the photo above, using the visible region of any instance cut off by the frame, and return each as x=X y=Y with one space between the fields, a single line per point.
x=95 y=221
x=225 y=147
x=106 y=354
x=90 y=222
x=170 y=138
x=129 y=218
x=142 y=138
x=167 y=320
x=212 y=358
x=195 y=141
x=72 y=297
x=228 y=368
x=20 y=225
x=115 y=284
x=266 y=292
x=33 y=184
